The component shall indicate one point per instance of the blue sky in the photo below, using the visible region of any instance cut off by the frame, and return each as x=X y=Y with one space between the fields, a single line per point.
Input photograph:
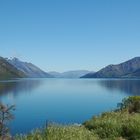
x=59 y=35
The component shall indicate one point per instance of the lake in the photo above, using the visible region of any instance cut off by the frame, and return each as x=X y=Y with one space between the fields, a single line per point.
x=65 y=101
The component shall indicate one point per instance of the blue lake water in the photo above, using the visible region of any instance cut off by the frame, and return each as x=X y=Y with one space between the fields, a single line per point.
x=63 y=101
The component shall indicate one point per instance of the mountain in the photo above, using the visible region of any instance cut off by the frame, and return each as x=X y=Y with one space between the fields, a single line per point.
x=55 y=74
x=29 y=69
x=8 y=71
x=69 y=74
x=124 y=69
x=135 y=74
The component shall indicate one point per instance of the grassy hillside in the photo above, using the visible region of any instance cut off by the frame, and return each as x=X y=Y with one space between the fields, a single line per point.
x=8 y=71
x=108 y=126
x=58 y=132
x=122 y=124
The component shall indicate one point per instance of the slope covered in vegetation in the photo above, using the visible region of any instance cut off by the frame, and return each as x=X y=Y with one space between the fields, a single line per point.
x=121 y=124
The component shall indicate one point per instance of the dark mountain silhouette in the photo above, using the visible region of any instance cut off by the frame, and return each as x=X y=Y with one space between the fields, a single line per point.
x=125 y=69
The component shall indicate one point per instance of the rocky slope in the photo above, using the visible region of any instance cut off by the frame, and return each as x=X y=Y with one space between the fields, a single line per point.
x=29 y=69
x=8 y=71
x=117 y=71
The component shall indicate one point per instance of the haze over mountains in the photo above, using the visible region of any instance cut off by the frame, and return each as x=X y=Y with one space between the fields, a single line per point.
x=15 y=68
x=29 y=69
x=128 y=69
x=70 y=74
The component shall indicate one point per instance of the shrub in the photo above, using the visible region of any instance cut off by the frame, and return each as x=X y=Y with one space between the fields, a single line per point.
x=123 y=124
x=108 y=125
x=5 y=116
x=132 y=104
x=131 y=128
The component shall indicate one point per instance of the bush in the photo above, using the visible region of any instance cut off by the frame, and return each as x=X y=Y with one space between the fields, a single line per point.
x=132 y=104
x=108 y=125
x=123 y=124
x=131 y=128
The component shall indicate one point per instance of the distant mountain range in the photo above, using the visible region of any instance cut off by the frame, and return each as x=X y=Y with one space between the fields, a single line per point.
x=29 y=69
x=128 y=69
x=15 y=68
x=69 y=74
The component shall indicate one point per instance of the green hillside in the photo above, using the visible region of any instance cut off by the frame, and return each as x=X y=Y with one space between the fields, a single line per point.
x=121 y=124
x=8 y=71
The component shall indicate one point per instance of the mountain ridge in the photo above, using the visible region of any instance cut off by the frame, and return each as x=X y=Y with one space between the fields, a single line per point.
x=117 y=71
x=69 y=74
x=8 y=71
x=31 y=70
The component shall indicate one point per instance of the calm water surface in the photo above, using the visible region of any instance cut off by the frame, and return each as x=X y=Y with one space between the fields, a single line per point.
x=62 y=100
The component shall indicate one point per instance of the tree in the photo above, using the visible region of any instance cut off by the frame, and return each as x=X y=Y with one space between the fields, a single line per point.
x=5 y=116
x=132 y=104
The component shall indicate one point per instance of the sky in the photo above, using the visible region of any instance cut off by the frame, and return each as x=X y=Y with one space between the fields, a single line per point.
x=61 y=35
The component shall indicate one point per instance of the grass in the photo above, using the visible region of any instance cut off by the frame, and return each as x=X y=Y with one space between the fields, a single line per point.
x=59 y=132
x=122 y=124
x=115 y=124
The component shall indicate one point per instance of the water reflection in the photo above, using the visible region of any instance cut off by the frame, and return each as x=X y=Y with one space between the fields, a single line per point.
x=62 y=100
x=17 y=87
x=130 y=87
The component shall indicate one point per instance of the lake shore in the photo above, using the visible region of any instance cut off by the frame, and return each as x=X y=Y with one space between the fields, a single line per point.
x=121 y=124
